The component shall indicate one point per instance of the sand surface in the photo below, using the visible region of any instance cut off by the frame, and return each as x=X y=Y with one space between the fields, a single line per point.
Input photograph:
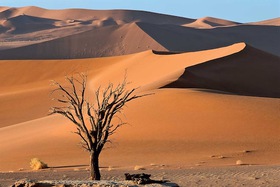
x=174 y=126
x=210 y=107
x=196 y=176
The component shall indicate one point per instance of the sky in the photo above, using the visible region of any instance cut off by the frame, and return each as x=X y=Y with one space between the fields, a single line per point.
x=235 y=10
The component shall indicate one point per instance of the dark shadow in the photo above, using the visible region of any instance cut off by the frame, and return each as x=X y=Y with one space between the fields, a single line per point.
x=67 y=166
x=250 y=72
x=180 y=38
x=166 y=52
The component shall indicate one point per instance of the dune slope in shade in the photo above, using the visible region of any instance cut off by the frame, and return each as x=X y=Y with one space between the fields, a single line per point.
x=106 y=41
x=178 y=38
x=248 y=72
x=24 y=24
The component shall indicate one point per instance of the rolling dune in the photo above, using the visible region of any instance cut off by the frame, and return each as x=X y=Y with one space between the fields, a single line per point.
x=210 y=22
x=248 y=72
x=136 y=37
x=80 y=33
x=175 y=127
x=272 y=22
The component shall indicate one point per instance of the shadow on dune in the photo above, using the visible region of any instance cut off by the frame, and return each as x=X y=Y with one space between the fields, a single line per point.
x=166 y=52
x=68 y=166
x=179 y=38
x=250 y=72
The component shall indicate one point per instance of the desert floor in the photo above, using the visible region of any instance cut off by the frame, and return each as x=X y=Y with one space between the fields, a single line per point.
x=246 y=175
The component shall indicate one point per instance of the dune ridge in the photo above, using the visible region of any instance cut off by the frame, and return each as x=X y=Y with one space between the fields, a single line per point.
x=272 y=22
x=210 y=22
x=240 y=73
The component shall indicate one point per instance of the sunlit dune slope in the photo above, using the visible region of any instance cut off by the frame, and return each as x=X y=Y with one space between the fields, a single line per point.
x=248 y=72
x=174 y=127
x=145 y=69
x=272 y=22
x=210 y=22
x=125 y=16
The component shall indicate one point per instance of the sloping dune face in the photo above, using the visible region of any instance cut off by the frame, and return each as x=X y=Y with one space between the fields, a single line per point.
x=174 y=126
x=210 y=22
x=248 y=72
x=68 y=22
x=106 y=41
x=272 y=22
x=35 y=33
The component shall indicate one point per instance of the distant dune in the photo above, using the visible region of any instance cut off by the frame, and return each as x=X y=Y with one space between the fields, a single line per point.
x=272 y=22
x=210 y=22
x=106 y=41
x=36 y=33
x=24 y=24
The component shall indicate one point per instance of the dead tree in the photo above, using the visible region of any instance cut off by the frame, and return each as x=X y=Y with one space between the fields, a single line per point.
x=93 y=120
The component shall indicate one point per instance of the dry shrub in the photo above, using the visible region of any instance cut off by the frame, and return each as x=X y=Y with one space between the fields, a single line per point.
x=139 y=168
x=239 y=162
x=37 y=164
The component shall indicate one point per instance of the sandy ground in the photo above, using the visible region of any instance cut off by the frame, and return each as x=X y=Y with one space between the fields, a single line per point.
x=194 y=176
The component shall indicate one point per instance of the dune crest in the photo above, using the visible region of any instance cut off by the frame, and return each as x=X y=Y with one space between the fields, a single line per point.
x=248 y=72
x=271 y=22
x=210 y=22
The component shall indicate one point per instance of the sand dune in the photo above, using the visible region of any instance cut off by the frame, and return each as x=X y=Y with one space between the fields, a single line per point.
x=106 y=41
x=240 y=73
x=135 y=37
x=50 y=33
x=84 y=14
x=36 y=75
x=210 y=22
x=177 y=127
x=68 y=22
x=272 y=22
x=23 y=24
x=177 y=38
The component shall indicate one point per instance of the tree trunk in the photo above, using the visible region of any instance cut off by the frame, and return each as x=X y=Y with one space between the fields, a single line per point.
x=94 y=166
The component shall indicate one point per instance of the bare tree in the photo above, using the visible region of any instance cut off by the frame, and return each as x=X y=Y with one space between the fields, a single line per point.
x=93 y=120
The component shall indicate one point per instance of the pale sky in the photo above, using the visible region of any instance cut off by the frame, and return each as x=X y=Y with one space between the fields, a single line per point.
x=235 y=10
